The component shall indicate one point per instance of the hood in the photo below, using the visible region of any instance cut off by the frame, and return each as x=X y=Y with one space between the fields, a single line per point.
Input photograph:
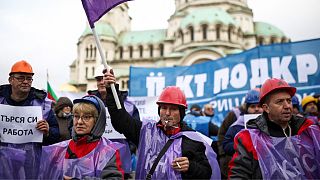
x=99 y=127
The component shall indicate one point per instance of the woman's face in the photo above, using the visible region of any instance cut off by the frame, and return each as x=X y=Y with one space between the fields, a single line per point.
x=83 y=123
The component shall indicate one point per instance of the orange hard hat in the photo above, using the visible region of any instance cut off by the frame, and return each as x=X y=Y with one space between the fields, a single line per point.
x=21 y=67
x=271 y=85
x=173 y=95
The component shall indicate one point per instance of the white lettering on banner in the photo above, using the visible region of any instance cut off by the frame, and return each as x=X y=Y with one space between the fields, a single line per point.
x=259 y=71
x=281 y=69
x=184 y=83
x=200 y=79
x=306 y=65
x=239 y=76
x=18 y=124
x=221 y=80
x=226 y=104
x=154 y=84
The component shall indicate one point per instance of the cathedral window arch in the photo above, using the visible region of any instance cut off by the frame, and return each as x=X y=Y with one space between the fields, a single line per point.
x=230 y=31
x=130 y=51
x=87 y=52
x=260 y=40
x=218 y=31
x=120 y=52
x=204 y=28
x=273 y=40
x=161 y=47
x=283 y=40
x=92 y=72
x=151 y=50
x=181 y=35
x=141 y=51
x=191 y=31
x=123 y=83
x=95 y=52
x=86 y=72
x=91 y=50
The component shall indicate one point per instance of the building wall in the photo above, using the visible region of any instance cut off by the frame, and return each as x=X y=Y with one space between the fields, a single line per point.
x=178 y=48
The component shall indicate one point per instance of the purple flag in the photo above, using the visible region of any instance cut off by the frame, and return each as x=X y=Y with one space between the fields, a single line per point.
x=95 y=9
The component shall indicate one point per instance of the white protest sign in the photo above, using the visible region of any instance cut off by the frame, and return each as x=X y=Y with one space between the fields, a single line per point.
x=248 y=117
x=110 y=132
x=148 y=110
x=147 y=106
x=18 y=124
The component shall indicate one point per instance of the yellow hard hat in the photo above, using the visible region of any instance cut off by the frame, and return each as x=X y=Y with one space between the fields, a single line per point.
x=308 y=99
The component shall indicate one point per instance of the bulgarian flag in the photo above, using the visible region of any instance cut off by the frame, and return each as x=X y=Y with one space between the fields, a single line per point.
x=51 y=94
x=95 y=9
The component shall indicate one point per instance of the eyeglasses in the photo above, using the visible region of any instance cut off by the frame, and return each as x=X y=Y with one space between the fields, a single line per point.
x=23 y=78
x=85 y=118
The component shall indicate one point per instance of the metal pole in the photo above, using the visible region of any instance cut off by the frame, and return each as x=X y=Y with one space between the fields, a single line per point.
x=104 y=62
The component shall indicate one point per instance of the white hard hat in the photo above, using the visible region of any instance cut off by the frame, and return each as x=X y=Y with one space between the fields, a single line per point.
x=99 y=70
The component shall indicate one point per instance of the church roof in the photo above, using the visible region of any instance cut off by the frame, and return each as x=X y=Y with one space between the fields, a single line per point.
x=266 y=29
x=207 y=16
x=102 y=29
x=142 y=37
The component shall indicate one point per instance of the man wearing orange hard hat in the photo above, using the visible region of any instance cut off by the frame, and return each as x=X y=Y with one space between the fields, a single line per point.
x=167 y=149
x=19 y=92
x=277 y=144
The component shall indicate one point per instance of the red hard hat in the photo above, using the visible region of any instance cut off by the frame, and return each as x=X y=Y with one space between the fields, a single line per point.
x=173 y=95
x=21 y=67
x=273 y=84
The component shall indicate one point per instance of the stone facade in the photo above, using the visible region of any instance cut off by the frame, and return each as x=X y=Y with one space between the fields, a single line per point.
x=198 y=31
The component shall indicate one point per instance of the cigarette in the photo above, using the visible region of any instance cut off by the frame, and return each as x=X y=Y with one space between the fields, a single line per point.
x=178 y=165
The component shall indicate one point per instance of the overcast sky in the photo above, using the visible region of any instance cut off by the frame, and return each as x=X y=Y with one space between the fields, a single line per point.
x=45 y=32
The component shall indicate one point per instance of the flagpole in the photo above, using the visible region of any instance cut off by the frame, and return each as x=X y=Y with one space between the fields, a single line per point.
x=104 y=62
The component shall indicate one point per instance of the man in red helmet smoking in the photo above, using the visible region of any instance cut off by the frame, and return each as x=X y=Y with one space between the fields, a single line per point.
x=277 y=144
x=180 y=151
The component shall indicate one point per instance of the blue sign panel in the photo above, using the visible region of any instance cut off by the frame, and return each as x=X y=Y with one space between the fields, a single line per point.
x=224 y=82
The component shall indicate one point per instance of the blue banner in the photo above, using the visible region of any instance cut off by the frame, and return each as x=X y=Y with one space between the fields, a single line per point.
x=224 y=82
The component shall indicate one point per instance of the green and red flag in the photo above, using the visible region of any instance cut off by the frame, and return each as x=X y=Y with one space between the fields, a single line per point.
x=51 y=95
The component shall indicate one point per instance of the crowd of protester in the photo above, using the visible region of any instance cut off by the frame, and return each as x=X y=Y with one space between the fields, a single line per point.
x=281 y=142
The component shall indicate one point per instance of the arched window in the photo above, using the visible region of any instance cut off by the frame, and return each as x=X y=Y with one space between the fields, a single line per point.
x=127 y=83
x=151 y=50
x=260 y=40
x=86 y=72
x=273 y=40
x=92 y=71
x=121 y=52
x=123 y=83
x=91 y=49
x=94 y=52
x=87 y=52
x=230 y=30
x=181 y=35
x=130 y=51
x=161 y=47
x=284 y=39
x=191 y=31
x=141 y=51
x=204 y=31
x=218 y=29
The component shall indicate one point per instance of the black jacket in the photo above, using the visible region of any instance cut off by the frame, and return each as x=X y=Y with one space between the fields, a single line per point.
x=199 y=167
x=245 y=164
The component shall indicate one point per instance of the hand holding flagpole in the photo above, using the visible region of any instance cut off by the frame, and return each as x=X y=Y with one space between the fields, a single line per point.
x=95 y=9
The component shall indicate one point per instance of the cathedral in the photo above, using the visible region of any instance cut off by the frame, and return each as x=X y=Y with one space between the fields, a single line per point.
x=198 y=31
